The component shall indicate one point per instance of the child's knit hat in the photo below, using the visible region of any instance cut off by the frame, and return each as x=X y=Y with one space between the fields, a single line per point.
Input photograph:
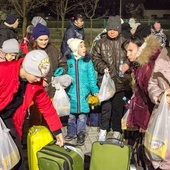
x=10 y=46
x=73 y=44
x=37 y=63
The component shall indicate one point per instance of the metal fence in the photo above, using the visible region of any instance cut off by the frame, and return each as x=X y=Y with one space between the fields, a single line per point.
x=102 y=23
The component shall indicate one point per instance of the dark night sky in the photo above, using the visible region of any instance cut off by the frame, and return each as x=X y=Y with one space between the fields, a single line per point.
x=149 y=4
x=157 y=4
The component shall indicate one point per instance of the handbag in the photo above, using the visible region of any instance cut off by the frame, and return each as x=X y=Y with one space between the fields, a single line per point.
x=107 y=88
x=9 y=154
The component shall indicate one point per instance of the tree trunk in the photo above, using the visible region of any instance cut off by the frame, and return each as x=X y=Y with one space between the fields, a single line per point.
x=91 y=29
x=62 y=25
x=24 y=24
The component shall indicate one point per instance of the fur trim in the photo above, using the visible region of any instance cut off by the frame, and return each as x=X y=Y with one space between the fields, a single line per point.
x=152 y=46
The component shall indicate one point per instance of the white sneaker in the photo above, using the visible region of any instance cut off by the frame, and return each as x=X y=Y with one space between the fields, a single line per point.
x=116 y=135
x=102 y=135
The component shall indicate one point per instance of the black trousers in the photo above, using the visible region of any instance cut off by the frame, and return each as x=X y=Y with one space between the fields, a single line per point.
x=113 y=109
x=9 y=124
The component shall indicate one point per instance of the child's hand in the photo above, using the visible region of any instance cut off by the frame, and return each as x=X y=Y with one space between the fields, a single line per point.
x=125 y=67
x=96 y=94
x=60 y=140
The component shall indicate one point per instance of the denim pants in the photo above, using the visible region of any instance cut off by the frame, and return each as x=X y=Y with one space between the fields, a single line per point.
x=76 y=123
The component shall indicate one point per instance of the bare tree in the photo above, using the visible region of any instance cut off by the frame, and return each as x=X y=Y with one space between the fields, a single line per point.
x=90 y=9
x=63 y=7
x=23 y=7
x=133 y=8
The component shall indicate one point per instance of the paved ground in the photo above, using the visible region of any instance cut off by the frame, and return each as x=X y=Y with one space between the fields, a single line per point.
x=92 y=135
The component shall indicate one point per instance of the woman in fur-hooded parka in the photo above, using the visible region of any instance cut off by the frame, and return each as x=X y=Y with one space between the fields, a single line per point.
x=140 y=105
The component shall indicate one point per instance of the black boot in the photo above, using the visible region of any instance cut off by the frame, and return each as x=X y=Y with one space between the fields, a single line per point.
x=80 y=138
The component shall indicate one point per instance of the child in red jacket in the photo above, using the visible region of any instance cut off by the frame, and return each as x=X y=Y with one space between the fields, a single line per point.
x=21 y=83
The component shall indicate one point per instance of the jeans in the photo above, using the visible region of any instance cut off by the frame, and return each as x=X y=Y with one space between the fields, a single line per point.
x=76 y=123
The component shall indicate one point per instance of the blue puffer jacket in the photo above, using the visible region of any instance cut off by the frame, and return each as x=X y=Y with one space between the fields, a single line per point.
x=84 y=82
x=71 y=32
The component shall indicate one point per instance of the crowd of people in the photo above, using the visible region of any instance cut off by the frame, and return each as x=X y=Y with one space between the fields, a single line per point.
x=28 y=65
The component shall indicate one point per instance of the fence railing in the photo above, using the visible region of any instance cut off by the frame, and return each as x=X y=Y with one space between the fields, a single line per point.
x=101 y=23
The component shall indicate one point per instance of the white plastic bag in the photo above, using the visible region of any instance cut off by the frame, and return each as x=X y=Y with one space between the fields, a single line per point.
x=9 y=154
x=61 y=101
x=124 y=120
x=107 y=89
x=157 y=135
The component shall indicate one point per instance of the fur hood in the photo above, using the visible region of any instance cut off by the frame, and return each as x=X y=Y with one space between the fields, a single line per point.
x=150 y=50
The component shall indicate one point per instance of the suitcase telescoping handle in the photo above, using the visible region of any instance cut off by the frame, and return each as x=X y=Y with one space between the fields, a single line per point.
x=113 y=141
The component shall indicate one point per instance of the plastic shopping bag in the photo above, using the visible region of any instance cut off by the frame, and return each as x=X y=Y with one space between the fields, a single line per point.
x=124 y=120
x=107 y=89
x=61 y=101
x=9 y=154
x=157 y=135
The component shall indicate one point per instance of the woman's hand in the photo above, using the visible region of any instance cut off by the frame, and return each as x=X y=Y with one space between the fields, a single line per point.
x=45 y=83
x=167 y=96
x=60 y=140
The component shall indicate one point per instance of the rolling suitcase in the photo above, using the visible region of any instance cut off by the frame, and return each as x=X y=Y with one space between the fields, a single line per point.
x=38 y=137
x=53 y=157
x=112 y=154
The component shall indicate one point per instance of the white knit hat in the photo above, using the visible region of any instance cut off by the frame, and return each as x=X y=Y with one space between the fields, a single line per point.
x=10 y=46
x=36 y=63
x=37 y=20
x=73 y=44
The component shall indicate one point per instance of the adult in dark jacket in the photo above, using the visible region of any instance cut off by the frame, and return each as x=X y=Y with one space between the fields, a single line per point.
x=41 y=41
x=8 y=29
x=28 y=38
x=75 y=30
x=107 y=55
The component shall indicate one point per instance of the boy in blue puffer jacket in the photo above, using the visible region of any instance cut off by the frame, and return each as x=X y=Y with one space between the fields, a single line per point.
x=81 y=69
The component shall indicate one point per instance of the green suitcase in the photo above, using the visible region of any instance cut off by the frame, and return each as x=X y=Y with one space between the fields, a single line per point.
x=53 y=157
x=112 y=154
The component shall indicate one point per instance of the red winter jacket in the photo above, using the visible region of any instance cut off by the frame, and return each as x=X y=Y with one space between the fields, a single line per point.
x=9 y=83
